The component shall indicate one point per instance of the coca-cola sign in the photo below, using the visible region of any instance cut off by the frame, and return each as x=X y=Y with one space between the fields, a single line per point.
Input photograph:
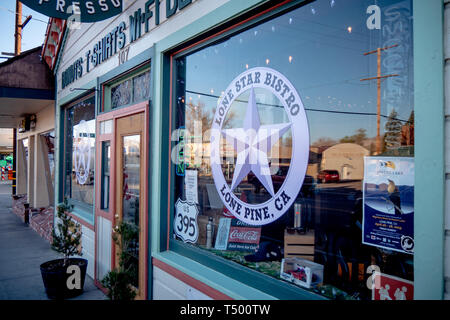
x=242 y=236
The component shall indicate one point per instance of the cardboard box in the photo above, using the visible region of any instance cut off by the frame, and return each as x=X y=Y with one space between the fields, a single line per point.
x=301 y=272
x=299 y=245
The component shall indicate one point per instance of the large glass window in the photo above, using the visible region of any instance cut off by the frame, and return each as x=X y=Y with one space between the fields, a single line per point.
x=293 y=148
x=80 y=151
x=132 y=90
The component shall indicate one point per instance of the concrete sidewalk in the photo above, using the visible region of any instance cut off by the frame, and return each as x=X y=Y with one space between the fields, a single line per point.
x=21 y=253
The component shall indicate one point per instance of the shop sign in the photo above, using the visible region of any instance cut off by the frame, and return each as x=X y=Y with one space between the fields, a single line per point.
x=82 y=11
x=116 y=39
x=388 y=209
x=253 y=141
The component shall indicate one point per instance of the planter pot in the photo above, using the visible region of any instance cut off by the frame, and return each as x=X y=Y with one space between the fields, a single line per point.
x=55 y=278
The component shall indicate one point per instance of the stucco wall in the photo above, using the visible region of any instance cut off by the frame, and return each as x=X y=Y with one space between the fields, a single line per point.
x=6 y=140
x=45 y=121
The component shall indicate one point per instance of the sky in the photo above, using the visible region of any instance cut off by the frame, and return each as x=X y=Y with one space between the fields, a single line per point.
x=33 y=34
x=319 y=48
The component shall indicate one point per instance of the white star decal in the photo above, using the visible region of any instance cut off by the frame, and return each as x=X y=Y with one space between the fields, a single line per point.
x=252 y=143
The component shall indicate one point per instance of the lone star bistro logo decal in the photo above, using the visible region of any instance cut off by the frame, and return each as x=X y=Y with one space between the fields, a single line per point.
x=252 y=143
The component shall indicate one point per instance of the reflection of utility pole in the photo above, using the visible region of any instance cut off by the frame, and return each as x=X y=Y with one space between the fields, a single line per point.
x=379 y=77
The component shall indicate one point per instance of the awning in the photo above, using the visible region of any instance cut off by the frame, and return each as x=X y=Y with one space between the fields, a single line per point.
x=26 y=87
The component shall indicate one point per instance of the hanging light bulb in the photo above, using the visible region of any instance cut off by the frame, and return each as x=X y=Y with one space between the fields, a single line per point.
x=290 y=59
x=349 y=29
x=267 y=61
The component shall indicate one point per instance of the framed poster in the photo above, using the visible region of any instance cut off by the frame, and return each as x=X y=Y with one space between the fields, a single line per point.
x=388 y=203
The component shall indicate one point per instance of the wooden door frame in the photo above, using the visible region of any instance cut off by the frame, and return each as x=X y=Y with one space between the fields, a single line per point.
x=142 y=107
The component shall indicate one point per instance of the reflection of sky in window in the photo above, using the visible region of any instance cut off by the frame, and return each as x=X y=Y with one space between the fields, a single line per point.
x=316 y=50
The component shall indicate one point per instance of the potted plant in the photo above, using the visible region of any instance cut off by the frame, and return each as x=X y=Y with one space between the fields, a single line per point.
x=64 y=278
x=118 y=281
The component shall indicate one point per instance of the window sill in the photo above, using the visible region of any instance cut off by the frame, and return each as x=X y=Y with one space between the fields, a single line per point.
x=82 y=212
x=230 y=287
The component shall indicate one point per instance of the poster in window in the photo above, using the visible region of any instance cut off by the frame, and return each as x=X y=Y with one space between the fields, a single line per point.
x=191 y=184
x=388 y=203
x=387 y=287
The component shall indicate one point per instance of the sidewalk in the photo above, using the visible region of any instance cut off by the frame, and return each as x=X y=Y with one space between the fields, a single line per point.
x=21 y=253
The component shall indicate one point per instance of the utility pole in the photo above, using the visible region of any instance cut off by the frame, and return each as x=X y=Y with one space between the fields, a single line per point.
x=379 y=77
x=18 y=33
x=17 y=50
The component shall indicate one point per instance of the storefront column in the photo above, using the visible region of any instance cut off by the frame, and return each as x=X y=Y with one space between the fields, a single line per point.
x=30 y=169
x=429 y=150
x=21 y=169
x=43 y=192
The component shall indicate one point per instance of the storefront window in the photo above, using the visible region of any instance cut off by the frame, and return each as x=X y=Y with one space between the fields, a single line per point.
x=293 y=148
x=133 y=90
x=121 y=94
x=80 y=151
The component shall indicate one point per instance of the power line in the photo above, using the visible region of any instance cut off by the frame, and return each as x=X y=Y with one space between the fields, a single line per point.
x=14 y=13
x=306 y=109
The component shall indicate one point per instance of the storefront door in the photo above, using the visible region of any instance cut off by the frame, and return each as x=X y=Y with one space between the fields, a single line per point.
x=121 y=196
x=130 y=213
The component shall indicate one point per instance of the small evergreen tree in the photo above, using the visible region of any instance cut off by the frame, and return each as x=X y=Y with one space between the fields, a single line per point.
x=68 y=238
x=119 y=281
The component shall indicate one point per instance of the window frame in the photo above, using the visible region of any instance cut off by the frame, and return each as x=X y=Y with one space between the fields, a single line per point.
x=82 y=210
x=130 y=75
x=141 y=63
x=428 y=18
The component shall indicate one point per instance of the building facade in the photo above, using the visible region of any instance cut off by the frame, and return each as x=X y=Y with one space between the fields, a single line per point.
x=192 y=122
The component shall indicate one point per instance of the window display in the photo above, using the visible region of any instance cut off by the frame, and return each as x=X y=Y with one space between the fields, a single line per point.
x=80 y=151
x=274 y=130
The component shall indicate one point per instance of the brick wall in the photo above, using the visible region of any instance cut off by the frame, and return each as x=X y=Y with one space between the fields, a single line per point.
x=41 y=221
x=18 y=206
